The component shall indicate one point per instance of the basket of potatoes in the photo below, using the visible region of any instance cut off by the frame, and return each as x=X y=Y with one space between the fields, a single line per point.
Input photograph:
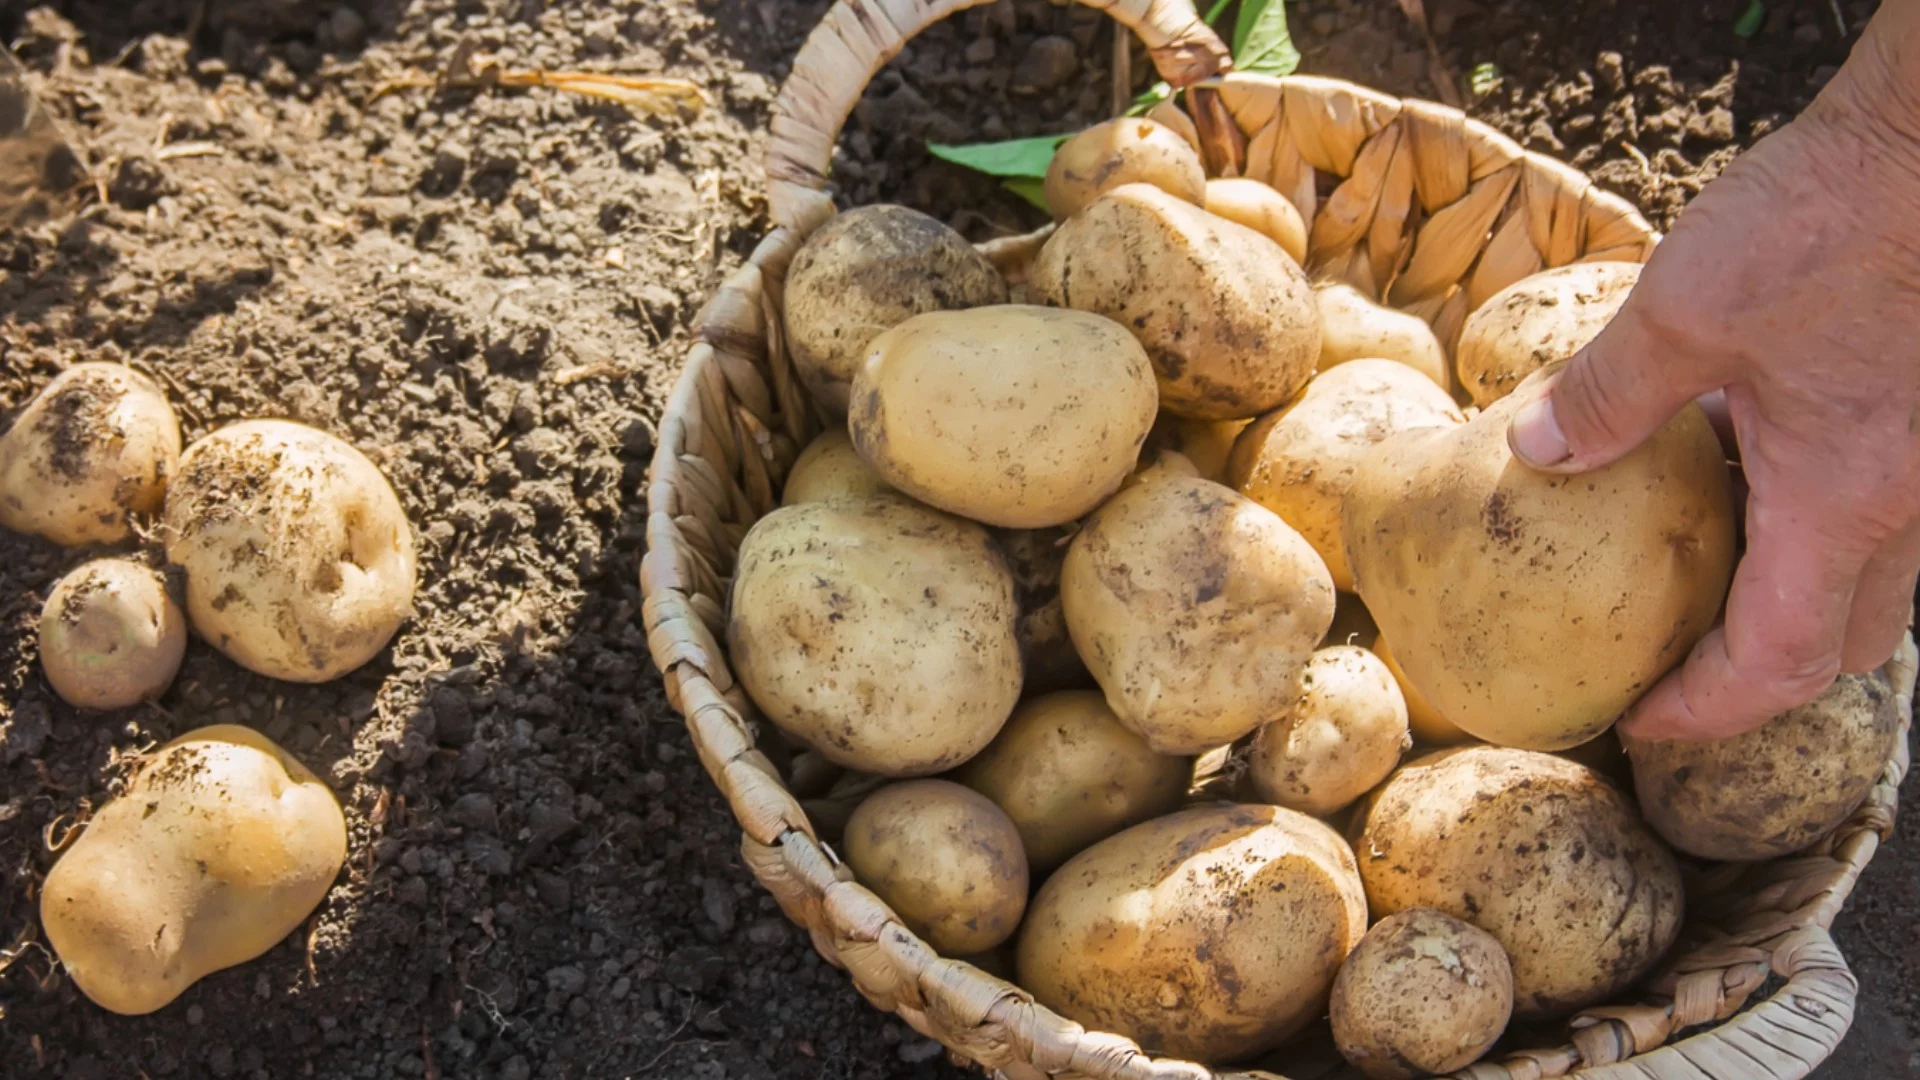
x=1130 y=650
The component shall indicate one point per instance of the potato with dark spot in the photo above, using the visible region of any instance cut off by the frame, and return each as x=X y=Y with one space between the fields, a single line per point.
x=828 y=468
x=1262 y=209
x=95 y=446
x=1538 y=851
x=1212 y=934
x=865 y=272
x=1778 y=789
x=1126 y=150
x=1342 y=735
x=1537 y=321
x=945 y=859
x=111 y=636
x=1355 y=328
x=1423 y=994
x=1225 y=314
x=1425 y=721
x=1046 y=650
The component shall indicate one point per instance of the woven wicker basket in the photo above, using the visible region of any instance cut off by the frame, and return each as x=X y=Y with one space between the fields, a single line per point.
x=1408 y=200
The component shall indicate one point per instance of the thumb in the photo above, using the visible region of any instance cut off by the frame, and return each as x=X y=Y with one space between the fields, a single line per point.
x=1598 y=406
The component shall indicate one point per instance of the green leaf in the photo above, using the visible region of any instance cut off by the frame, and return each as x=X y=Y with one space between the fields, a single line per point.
x=1261 y=43
x=1015 y=157
x=1483 y=79
x=1031 y=189
x=1749 y=22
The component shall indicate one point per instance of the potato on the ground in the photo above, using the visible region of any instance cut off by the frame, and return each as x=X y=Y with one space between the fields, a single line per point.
x=1207 y=444
x=1538 y=851
x=945 y=859
x=1423 y=994
x=1342 y=735
x=1532 y=609
x=1299 y=461
x=221 y=847
x=829 y=468
x=1195 y=608
x=1353 y=625
x=1012 y=415
x=1538 y=321
x=1068 y=774
x=863 y=273
x=1262 y=209
x=880 y=632
x=1353 y=327
x=1046 y=649
x=1127 y=150
x=96 y=445
x=299 y=559
x=1777 y=789
x=1226 y=316
x=1428 y=726
x=111 y=636
x=1211 y=934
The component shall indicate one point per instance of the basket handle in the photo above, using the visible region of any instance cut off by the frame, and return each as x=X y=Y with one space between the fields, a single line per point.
x=858 y=37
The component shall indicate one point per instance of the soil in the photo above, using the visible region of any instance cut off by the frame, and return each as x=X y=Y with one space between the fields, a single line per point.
x=490 y=293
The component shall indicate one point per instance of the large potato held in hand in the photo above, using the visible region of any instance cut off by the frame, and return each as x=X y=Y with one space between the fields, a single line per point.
x=1533 y=609
x=111 y=636
x=878 y=631
x=1342 y=736
x=829 y=468
x=866 y=271
x=1423 y=994
x=1017 y=416
x=945 y=859
x=1538 y=321
x=1226 y=316
x=1536 y=850
x=1126 y=150
x=97 y=444
x=221 y=847
x=1211 y=934
x=1353 y=327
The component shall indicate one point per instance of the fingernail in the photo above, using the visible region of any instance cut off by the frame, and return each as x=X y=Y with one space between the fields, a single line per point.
x=1535 y=435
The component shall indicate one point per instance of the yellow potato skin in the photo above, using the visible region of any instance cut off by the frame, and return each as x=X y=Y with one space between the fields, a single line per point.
x=1206 y=444
x=1343 y=735
x=1428 y=726
x=945 y=859
x=96 y=445
x=830 y=467
x=111 y=635
x=1355 y=328
x=1127 y=150
x=1537 y=321
x=1262 y=209
x=221 y=846
x=1423 y=994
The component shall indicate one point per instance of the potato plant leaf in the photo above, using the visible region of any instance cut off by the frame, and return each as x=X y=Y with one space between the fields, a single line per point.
x=1014 y=157
x=1749 y=22
x=1261 y=43
x=1029 y=188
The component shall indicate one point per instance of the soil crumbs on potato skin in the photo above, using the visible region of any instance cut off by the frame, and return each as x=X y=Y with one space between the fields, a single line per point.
x=490 y=293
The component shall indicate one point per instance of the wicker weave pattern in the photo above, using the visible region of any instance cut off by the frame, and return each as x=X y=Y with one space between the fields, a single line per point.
x=1409 y=200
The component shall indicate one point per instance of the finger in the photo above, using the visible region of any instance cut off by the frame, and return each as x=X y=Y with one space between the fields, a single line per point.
x=1883 y=602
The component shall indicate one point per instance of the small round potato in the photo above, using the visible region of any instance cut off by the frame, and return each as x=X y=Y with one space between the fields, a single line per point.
x=1428 y=726
x=1016 y=416
x=828 y=468
x=110 y=636
x=1262 y=209
x=1777 y=789
x=1355 y=328
x=1122 y=151
x=1207 y=444
x=1046 y=650
x=96 y=445
x=1196 y=609
x=1212 y=934
x=220 y=848
x=1068 y=774
x=880 y=632
x=866 y=271
x=299 y=559
x=1538 y=321
x=945 y=859
x=1343 y=735
x=1423 y=994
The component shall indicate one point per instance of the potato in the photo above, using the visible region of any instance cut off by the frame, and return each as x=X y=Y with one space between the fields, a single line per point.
x=1205 y=443
x=1533 y=609
x=1299 y=461
x=877 y=631
x=300 y=562
x=866 y=271
x=1423 y=994
x=945 y=859
x=1778 y=789
x=1537 y=321
x=1352 y=625
x=111 y=636
x=1126 y=150
x=830 y=467
x=1353 y=327
x=1046 y=649
x=1068 y=773
x=1342 y=735
x=1226 y=316
x=96 y=445
x=1262 y=209
x=1426 y=723
x=1536 y=850
x=1211 y=934
x=1195 y=608
x=222 y=845
x=1017 y=416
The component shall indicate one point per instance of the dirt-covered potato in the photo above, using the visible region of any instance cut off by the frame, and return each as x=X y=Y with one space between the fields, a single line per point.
x=1127 y=150
x=1262 y=209
x=1428 y=726
x=97 y=444
x=1538 y=321
x=1423 y=994
x=1046 y=649
x=1299 y=461
x=1353 y=327
x=1211 y=934
x=1195 y=608
x=1206 y=444
x=828 y=468
x=1536 y=850
x=1225 y=314
x=1777 y=789
x=1012 y=415
x=1342 y=735
x=945 y=859
x=222 y=846
x=299 y=559
x=1533 y=609
x=1068 y=773
x=877 y=631
x=110 y=636
x=869 y=270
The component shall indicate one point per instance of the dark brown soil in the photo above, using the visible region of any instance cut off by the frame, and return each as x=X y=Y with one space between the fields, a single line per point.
x=490 y=293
